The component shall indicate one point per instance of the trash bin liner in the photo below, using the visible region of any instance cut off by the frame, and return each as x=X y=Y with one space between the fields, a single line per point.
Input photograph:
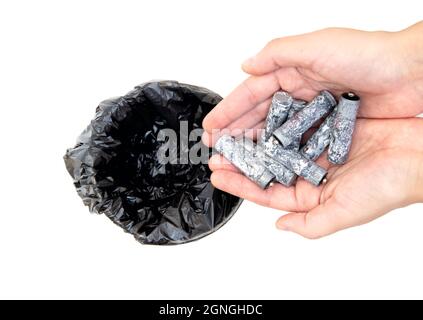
x=116 y=170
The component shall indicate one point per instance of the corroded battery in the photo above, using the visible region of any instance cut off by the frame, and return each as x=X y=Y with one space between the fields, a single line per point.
x=305 y=118
x=297 y=105
x=318 y=142
x=278 y=112
x=295 y=144
x=282 y=174
x=245 y=160
x=343 y=128
x=295 y=162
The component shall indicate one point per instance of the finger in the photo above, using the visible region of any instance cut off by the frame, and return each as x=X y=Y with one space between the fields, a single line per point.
x=218 y=162
x=252 y=117
x=247 y=125
x=245 y=97
x=209 y=139
x=323 y=220
x=290 y=80
x=294 y=51
x=254 y=132
x=306 y=93
x=277 y=196
x=307 y=195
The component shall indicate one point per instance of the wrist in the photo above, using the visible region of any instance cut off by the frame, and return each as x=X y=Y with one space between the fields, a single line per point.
x=420 y=179
x=416 y=179
x=409 y=43
x=413 y=39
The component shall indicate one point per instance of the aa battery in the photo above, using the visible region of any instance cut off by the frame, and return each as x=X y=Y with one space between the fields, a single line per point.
x=297 y=105
x=295 y=144
x=278 y=112
x=318 y=142
x=246 y=161
x=282 y=174
x=295 y=162
x=305 y=118
x=343 y=128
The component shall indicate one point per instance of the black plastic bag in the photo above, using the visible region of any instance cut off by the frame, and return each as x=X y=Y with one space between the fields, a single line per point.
x=116 y=171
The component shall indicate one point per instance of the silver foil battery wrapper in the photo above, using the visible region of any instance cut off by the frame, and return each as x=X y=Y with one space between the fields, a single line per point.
x=305 y=118
x=278 y=112
x=343 y=128
x=247 y=161
x=318 y=142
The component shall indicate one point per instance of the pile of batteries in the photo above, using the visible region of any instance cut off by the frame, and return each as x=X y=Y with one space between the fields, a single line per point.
x=279 y=156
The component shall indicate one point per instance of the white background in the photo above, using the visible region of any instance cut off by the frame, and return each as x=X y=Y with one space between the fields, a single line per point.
x=58 y=59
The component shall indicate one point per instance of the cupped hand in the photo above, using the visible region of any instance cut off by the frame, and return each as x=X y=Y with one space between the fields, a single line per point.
x=384 y=172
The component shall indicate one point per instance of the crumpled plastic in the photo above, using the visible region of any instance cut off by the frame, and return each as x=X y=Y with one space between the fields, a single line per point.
x=116 y=172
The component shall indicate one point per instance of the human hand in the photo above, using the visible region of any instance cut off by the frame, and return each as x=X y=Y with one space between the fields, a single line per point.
x=384 y=172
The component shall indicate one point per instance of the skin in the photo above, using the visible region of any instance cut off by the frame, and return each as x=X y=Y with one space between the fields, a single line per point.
x=385 y=166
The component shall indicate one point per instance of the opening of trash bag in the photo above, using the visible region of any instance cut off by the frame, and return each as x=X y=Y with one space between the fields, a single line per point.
x=116 y=170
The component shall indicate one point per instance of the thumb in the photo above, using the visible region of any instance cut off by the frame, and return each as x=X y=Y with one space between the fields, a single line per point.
x=294 y=51
x=323 y=220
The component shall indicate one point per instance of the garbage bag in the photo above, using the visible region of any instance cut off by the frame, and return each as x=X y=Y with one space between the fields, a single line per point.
x=116 y=171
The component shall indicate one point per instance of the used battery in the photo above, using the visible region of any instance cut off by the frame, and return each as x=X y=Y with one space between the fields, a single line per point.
x=278 y=112
x=297 y=105
x=318 y=142
x=343 y=128
x=282 y=174
x=295 y=162
x=305 y=118
x=247 y=161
